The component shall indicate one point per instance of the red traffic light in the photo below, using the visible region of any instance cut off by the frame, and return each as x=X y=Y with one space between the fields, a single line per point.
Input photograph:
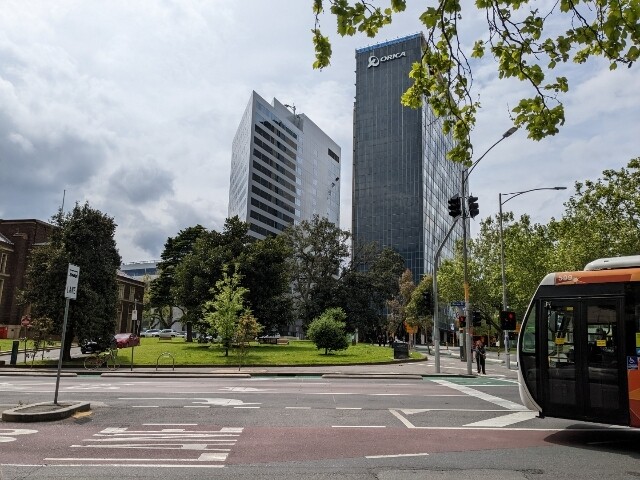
x=507 y=320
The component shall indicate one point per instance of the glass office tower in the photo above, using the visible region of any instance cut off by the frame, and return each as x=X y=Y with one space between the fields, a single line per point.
x=284 y=169
x=401 y=177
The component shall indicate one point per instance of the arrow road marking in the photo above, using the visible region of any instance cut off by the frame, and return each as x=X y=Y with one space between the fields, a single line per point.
x=509 y=405
x=504 y=420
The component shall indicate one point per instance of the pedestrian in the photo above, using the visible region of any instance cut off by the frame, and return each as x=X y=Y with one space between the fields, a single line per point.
x=481 y=353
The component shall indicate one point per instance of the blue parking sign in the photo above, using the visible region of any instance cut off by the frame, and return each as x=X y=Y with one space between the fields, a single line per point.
x=632 y=363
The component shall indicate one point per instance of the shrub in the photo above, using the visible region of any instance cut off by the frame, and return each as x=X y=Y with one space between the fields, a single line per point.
x=328 y=330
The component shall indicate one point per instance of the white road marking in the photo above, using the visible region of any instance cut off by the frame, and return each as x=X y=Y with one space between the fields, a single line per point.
x=389 y=394
x=298 y=408
x=7 y=434
x=205 y=457
x=144 y=406
x=246 y=407
x=358 y=426
x=406 y=422
x=127 y=465
x=170 y=424
x=348 y=408
x=246 y=389
x=504 y=420
x=509 y=405
x=398 y=455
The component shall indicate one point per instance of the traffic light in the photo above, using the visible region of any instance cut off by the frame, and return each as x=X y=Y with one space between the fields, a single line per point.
x=473 y=206
x=428 y=299
x=462 y=321
x=476 y=319
x=455 y=206
x=507 y=320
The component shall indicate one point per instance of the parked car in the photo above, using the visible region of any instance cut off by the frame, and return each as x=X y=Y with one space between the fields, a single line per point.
x=202 y=337
x=124 y=340
x=152 y=332
x=96 y=346
x=167 y=333
x=182 y=334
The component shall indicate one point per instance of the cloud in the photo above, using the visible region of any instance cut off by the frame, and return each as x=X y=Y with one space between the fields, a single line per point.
x=132 y=106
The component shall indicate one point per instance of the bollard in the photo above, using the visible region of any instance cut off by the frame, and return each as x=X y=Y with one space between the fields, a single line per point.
x=14 y=352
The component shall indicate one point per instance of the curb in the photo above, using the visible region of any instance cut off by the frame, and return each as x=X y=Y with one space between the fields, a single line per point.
x=174 y=374
x=45 y=411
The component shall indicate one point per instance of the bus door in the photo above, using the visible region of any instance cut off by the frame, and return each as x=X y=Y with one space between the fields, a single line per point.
x=581 y=355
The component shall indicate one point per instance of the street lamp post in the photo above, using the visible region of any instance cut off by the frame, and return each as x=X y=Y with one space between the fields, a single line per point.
x=467 y=302
x=502 y=261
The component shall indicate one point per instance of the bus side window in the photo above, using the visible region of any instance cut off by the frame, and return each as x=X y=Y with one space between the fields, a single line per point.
x=529 y=334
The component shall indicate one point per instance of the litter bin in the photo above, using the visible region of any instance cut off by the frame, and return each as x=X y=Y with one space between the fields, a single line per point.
x=400 y=350
x=3 y=332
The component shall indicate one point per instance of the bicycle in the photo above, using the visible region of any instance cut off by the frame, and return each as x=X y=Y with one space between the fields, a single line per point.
x=109 y=358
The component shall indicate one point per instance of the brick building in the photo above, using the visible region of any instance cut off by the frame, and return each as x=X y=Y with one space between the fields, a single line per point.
x=17 y=239
x=130 y=296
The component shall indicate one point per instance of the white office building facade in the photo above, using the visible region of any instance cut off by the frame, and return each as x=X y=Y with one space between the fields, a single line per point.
x=284 y=169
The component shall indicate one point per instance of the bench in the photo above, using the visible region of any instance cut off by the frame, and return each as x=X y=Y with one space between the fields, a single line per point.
x=273 y=340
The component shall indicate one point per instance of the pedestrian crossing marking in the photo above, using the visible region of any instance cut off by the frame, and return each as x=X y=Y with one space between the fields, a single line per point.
x=201 y=448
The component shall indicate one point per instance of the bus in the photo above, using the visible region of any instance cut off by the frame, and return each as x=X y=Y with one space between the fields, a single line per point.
x=579 y=344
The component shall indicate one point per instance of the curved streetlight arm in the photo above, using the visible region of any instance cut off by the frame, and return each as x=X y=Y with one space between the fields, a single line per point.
x=506 y=134
x=516 y=194
x=502 y=260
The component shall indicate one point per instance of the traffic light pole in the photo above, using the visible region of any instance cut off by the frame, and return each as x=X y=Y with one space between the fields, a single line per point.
x=436 y=322
x=467 y=300
x=507 y=355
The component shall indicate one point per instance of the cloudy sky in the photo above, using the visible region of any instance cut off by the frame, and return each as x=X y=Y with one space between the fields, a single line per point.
x=132 y=106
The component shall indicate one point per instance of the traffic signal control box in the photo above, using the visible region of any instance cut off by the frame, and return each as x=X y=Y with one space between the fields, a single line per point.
x=507 y=320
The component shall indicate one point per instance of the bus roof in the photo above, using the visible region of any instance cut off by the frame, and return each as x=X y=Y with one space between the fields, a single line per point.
x=614 y=262
x=593 y=276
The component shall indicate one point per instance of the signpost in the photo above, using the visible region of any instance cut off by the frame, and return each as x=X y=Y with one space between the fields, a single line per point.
x=70 y=292
x=134 y=323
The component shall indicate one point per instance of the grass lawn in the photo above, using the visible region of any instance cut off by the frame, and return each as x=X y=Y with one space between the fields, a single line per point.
x=297 y=352
x=7 y=344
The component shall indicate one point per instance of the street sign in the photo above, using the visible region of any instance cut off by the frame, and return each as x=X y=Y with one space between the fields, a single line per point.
x=458 y=303
x=71 y=288
x=134 y=315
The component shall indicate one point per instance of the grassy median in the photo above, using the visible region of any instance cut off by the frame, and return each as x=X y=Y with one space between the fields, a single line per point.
x=297 y=352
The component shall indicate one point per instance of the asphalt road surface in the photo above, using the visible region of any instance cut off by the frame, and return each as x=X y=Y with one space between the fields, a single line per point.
x=304 y=427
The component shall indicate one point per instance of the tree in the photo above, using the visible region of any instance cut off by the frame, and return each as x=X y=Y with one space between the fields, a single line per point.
x=247 y=329
x=398 y=305
x=200 y=269
x=161 y=295
x=83 y=237
x=318 y=248
x=264 y=272
x=328 y=330
x=366 y=283
x=419 y=310
x=527 y=250
x=526 y=43
x=226 y=308
x=602 y=219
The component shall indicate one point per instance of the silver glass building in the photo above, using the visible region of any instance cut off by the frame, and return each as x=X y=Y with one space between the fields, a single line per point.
x=284 y=169
x=402 y=180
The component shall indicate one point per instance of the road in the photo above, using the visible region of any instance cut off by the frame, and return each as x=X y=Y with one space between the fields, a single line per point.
x=304 y=427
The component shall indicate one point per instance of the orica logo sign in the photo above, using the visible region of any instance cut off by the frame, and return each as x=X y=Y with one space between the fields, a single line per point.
x=375 y=61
